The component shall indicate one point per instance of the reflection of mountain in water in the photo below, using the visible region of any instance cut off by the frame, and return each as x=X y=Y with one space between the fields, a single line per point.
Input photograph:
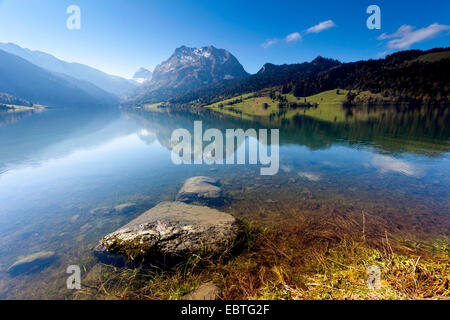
x=56 y=132
x=52 y=133
x=415 y=130
x=9 y=117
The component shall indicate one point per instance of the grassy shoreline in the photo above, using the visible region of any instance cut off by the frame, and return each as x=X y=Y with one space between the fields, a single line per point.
x=305 y=261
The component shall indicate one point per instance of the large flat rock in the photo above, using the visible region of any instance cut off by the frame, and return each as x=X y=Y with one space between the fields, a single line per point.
x=199 y=189
x=174 y=229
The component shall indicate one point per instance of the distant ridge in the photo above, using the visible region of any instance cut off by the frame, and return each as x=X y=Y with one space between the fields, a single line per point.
x=115 y=85
x=26 y=81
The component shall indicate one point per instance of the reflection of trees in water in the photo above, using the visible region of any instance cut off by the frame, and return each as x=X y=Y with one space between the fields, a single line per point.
x=419 y=130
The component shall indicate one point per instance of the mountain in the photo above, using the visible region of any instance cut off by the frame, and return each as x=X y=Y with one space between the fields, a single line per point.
x=192 y=67
x=142 y=75
x=269 y=75
x=188 y=69
x=24 y=80
x=412 y=76
x=112 y=84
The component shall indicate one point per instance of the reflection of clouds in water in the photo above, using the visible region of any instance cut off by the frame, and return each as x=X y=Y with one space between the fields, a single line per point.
x=387 y=164
x=144 y=133
x=147 y=136
x=310 y=176
x=286 y=168
x=329 y=164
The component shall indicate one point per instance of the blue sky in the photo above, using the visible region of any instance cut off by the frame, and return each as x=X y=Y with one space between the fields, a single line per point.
x=119 y=36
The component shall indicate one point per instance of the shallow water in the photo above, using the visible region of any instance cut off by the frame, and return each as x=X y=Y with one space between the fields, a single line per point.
x=62 y=172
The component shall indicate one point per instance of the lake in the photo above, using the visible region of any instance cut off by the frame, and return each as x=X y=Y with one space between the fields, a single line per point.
x=63 y=174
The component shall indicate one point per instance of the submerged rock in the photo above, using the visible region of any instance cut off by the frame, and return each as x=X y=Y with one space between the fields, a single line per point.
x=309 y=175
x=207 y=291
x=199 y=189
x=125 y=207
x=85 y=227
x=31 y=263
x=286 y=168
x=119 y=209
x=171 y=229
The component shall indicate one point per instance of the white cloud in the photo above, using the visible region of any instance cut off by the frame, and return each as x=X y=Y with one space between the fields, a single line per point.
x=402 y=31
x=406 y=36
x=269 y=43
x=324 y=25
x=386 y=164
x=293 y=37
x=297 y=36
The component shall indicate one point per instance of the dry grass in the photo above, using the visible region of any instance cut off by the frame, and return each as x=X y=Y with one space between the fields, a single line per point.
x=310 y=260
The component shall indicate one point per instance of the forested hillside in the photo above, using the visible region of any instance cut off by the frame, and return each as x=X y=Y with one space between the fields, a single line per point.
x=409 y=76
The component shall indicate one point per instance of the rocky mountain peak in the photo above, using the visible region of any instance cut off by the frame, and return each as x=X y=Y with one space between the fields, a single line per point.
x=189 y=69
x=195 y=67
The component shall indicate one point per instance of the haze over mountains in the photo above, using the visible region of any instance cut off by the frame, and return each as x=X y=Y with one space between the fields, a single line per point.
x=24 y=80
x=115 y=85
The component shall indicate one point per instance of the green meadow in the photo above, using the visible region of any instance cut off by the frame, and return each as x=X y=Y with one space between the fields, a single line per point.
x=326 y=106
